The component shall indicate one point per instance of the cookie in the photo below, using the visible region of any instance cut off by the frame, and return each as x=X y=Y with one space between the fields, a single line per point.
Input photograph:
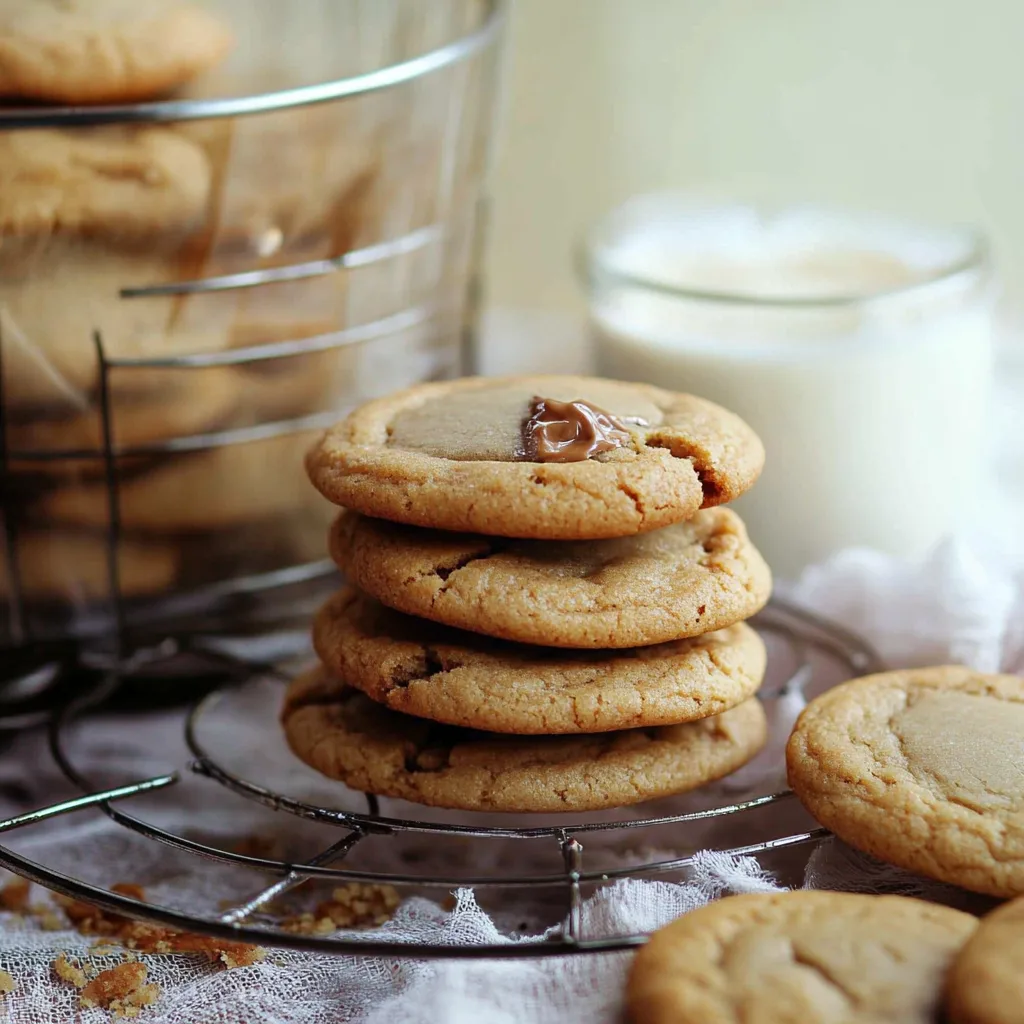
x=923 y=769
x=807 y=956
x=171 y=404
x=121 y=183
x=434 y=672
x=681 y=581
x=486 y=455
x=343 y=734
x=83 y=215
x=73 y=567
x=212 y=489
x=986 y=982
x=104 y=51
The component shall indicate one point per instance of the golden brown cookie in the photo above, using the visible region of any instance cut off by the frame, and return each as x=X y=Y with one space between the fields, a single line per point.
x=343 y=734
x=454 y=456
x=105 y=51
x=83 y=215
x=808 y=957
x=169 y=404
x=922 y=768
x=118 y=183
x=73 y=567
x=423 y=669
x=681 y=581
x=212 y=489
x=986 y=982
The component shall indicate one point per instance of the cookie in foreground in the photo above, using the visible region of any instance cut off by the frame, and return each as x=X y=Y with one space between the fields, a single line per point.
x=346 y=736
x=986 y=983
x=922 y=768
x=459 y=678
x=544 y=457
x=809 y=956
x=680 y=581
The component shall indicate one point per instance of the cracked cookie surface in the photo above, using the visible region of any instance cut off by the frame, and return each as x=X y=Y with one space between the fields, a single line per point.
x=447 y=675
x=677 y=582
x=346 y=736
x=812 y=957
x=986 y=983
x=449 y=456
x=922 y=768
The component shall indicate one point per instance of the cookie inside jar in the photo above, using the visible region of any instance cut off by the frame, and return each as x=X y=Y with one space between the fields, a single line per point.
x=191 y=290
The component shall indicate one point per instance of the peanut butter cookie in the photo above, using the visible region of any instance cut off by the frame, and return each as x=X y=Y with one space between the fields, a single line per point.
x=343 y=734
x=463 y=679
x=168 y=404
x=73 y=567
x=986 y=983
x=105 y=51
x=681 y=581
x=212 y=489
x=923 y=769
x=808 y=957
x=83 y=215
x=546 y=457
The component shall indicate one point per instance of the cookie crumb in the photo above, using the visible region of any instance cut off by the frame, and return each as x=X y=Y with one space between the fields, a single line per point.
x=7 y=985
x=121 y=988
x=14 y=895
x=355 y=905
x=141 y=937
x=241 y=955
x=256 y=846
x=69 y=972
x=130 y=889
x=47 y=918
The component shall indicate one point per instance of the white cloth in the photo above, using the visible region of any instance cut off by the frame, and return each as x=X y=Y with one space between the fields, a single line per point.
x=957 y=607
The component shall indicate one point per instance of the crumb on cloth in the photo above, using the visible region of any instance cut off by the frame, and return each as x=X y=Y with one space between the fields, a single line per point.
x=69 y=971
x=151 y=938
x=354 y=905
x=14 y=895
x=122 y=989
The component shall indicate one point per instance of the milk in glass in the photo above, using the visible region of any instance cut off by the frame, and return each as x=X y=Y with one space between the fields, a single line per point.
x=859 y=348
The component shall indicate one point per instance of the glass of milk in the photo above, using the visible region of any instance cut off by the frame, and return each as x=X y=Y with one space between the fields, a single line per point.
x=859 y=347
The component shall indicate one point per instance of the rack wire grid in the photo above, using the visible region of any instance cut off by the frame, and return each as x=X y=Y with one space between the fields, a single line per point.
x=808 y=645
x=38 y=659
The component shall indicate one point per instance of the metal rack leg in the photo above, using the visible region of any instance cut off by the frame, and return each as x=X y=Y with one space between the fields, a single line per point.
x=572 y=856
x=290 y=881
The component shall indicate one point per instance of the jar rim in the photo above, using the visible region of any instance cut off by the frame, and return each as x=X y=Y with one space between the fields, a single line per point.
x=169 y=111
x=595 y=267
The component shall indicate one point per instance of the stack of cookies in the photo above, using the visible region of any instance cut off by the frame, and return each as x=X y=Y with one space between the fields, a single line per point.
x=545 y=606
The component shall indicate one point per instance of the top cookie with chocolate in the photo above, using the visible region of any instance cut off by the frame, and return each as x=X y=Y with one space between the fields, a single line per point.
x=545 y=457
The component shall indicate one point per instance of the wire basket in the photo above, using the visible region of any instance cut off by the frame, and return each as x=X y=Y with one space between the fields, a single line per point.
x=316 y=244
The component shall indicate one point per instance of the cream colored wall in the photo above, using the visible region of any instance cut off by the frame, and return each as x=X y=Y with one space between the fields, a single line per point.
x=913 y=106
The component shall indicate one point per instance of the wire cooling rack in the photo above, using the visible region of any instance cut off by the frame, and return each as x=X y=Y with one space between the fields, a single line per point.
x=806 y=654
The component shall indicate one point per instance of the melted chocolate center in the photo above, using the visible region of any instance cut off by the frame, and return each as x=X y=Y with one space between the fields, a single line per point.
x=570 y=431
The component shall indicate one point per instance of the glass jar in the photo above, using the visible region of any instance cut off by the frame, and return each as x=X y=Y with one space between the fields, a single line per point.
x=217 y=277
x=857 y=346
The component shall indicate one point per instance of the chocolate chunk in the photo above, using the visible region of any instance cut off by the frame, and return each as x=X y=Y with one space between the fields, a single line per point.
x=570 y=431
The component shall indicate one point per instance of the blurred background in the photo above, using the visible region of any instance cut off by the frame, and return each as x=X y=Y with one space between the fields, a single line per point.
x=913 y=108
